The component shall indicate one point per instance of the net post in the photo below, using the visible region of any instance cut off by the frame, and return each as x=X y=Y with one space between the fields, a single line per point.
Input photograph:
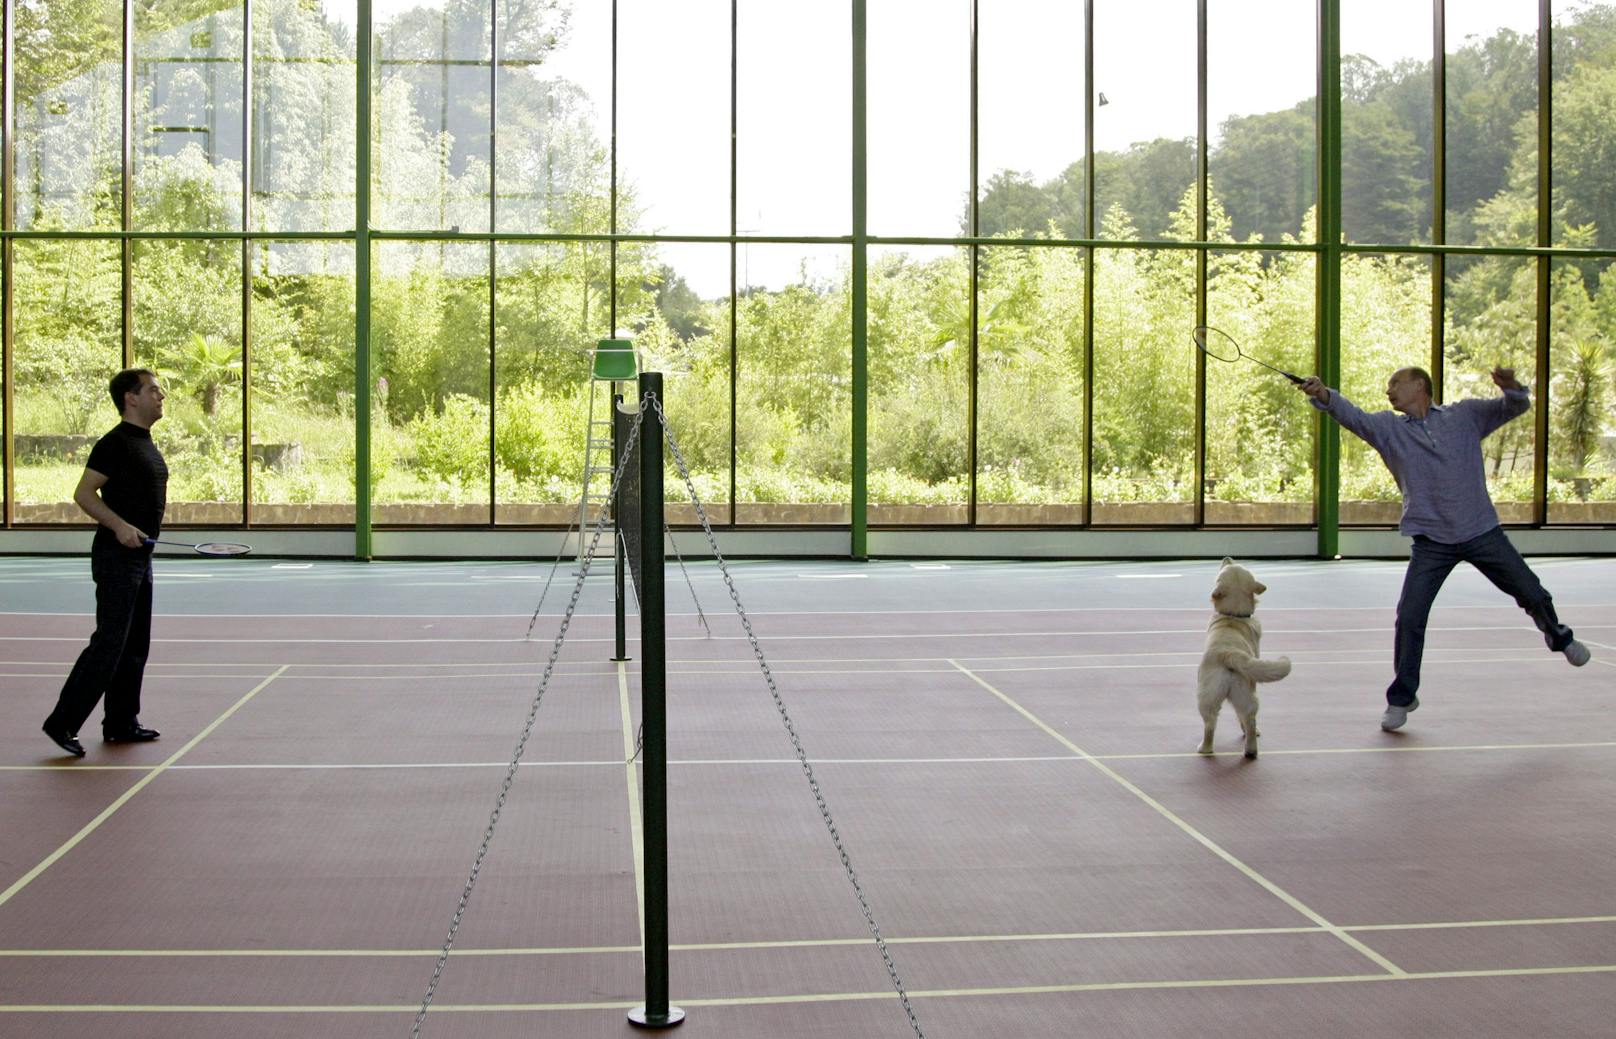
x=617 y=539
x=656 y=1013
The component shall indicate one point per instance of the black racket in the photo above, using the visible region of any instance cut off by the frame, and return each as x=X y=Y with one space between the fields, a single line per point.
x=1220 y=346
x=208 y=548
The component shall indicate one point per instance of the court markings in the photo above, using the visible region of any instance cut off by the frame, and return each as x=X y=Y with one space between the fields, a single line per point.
x=1251 y=874
x=775 y=637
x=77 y=766
x=792 y=999
x=803 y=943
x=636 y=827
x=1268 y=608
x=123 y=799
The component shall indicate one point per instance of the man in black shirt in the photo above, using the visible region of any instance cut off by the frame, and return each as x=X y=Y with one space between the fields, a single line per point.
x=124 y=489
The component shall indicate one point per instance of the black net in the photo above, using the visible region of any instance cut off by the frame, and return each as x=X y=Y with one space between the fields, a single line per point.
x=626 y=507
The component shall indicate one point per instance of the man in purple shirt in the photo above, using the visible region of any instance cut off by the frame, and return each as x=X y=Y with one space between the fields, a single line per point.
x=1434 y=452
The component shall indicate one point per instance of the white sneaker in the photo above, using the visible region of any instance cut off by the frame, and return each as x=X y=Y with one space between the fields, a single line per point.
x=1395 y=716
x=1577 y=653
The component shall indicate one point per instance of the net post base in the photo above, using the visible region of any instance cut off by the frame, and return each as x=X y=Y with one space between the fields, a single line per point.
x=640 y=1018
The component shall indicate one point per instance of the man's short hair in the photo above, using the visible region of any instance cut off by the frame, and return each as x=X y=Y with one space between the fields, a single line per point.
x=1425 y=379
x=126 y=381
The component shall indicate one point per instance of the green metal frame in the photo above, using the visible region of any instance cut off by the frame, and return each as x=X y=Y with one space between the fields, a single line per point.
x=1330 y=250
x=363 y=544
x=860 y=302
x=1327 y=311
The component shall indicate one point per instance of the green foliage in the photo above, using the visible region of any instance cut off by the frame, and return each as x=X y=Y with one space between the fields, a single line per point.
x=1582 y=404
x=434 y=338
x=452 y=445
x=540 y=435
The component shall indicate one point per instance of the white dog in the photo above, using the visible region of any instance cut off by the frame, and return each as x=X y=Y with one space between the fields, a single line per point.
x=1230 y=667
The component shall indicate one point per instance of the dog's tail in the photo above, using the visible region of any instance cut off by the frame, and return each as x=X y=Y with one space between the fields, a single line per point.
x=1255 y=668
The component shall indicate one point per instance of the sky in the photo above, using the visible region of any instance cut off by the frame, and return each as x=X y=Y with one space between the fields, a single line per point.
x=794 y=99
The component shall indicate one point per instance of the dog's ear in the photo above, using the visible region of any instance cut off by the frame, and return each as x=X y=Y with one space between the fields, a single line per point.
x=1227 y=561
x=1258 y=587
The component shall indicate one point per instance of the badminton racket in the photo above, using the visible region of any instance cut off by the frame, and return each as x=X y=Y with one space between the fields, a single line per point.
x=1221 y=346
x=208 y=548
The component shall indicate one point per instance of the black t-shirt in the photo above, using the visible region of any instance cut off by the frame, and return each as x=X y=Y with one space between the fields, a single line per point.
x=137 y=479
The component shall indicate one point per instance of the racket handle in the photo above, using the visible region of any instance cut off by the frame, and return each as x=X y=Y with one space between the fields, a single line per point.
x=1292 y=376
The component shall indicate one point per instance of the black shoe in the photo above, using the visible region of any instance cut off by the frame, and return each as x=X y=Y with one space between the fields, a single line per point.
x=64 y=739
x=134 y=732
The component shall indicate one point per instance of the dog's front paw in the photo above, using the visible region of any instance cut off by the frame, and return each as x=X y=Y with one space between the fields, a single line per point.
x=1205 y=748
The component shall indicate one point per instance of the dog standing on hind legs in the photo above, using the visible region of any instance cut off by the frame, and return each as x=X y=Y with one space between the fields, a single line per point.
x=1230 y=666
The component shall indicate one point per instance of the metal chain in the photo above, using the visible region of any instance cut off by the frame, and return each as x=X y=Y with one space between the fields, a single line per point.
x=527 y=731
x=553 y=568
x=700 y=616
x=791 y=730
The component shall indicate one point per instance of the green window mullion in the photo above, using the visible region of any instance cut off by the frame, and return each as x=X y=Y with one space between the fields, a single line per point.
x=362 y=260
x=1327 y=316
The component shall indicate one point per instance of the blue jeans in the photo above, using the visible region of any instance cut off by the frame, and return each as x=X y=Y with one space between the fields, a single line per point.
x=115 y=660
x=1429 y=566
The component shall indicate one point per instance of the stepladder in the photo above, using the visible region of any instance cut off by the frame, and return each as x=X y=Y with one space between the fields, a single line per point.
x=615 y=361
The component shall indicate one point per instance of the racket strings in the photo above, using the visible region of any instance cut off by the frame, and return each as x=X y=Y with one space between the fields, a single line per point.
x=1217 y=345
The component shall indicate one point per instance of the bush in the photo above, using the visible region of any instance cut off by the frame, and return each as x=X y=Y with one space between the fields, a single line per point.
x=541 y=436
x=453 y=445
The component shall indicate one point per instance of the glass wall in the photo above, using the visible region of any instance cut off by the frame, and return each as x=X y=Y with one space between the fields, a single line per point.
x=431 y=427
x=793 y=386
x=1031 y=381
x=1040 y=234
x=187 y=328
x=69 y=117
x=920 y=370
x=1490 y=315
x=1145 y=149
x=1259 y=430
x=68 y=344
x=1143 y=456
x=301 y=382
x=1388 y=146
x=1385 y=325
x=303 y=125
x=1031 y=107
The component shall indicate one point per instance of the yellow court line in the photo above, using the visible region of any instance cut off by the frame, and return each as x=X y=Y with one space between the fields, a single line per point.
x=1201 y=838
x=140 y=784
x=804 y=943
x=789 y=999
x=635 y=824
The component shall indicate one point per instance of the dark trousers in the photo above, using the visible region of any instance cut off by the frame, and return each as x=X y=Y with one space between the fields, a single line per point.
x=1429 y=566
x=115 y=660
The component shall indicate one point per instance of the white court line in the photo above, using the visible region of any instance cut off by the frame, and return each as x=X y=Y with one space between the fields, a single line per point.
x=1301 y=752
x=1387 y=608
x=1274 y=889
x=106 y=813
x=776 y=637
x=789 y=943
x=636 y=827
x=1441 y=654
x=739 y=668
x=797 y=1000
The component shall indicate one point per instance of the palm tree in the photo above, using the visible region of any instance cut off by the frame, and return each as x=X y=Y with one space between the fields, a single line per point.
x=210 y=364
